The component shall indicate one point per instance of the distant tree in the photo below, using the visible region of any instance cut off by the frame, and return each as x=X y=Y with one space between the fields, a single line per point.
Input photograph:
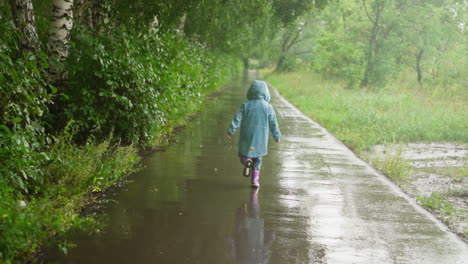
x=291 y=37
x=374 y=15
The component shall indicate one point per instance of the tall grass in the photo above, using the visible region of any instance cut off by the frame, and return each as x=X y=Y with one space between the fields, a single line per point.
x=43 y=218
x=363 y=118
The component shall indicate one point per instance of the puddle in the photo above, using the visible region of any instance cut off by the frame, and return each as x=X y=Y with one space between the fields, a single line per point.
x=437 y=168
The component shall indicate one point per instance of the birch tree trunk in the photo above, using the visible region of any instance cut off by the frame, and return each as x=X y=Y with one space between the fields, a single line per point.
x=23 y=15
x=181 y=27
x=80 y=8
x=100 y=14
x=153 y=25
x=61 y=24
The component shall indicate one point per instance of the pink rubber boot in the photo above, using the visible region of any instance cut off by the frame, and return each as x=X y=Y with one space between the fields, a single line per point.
x=255 y=179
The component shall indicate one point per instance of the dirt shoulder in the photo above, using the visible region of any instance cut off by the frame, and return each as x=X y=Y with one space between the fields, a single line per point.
x=437 y=177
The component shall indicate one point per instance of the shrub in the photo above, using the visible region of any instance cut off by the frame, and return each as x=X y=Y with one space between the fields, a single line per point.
x=392 y=164
x=79 y=169
x=134 y=88
x=24 y=96
x=28 y=223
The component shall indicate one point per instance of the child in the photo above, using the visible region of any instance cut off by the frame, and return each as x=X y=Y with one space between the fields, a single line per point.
x=255 y=118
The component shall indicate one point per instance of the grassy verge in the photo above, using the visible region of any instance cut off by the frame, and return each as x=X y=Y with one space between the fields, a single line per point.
x=389 y=116
x=440 y=206
x=364 y=118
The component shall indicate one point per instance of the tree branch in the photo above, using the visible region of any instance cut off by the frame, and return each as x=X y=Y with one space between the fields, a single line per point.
x=367 y=12
x=285 y=42
x=296 y=37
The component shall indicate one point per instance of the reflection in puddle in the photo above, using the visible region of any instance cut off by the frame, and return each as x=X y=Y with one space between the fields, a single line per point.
x=251 y=244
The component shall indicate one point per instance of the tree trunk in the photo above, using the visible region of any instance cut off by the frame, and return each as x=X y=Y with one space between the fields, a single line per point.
x=100 y=14
x=82 y=12
x=418 y=66
x=246 y=63
x=61 y=24
x=153 y=25
x=181 y=26
x=281 y=60
x=370 y=56
x=291 y=38
x=23 y=15
x=80 y=6
x=372 y=49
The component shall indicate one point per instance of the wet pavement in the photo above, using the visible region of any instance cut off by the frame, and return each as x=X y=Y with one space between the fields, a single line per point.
x=318 y=203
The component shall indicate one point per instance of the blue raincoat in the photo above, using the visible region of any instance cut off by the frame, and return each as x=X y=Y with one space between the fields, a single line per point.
x=256 y=117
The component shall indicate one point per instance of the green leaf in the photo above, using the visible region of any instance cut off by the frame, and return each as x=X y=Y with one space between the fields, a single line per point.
x=44 y=154
x=5 y=129
x=53 y=89
x=44 y=64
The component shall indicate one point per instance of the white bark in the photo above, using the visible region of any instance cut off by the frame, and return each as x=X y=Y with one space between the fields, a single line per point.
x=154 y=25
x=181 y=26
x=61 y=24
x=23 y=15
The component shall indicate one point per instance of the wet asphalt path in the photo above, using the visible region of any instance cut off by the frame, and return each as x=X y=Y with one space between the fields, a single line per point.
x=318 y=203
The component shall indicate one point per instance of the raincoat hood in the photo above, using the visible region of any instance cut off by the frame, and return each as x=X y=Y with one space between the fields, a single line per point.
x=258 y=90
x=255 y=119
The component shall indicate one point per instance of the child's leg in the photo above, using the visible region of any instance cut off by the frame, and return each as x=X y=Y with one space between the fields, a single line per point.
x=248 y=165
x=255 y=180
x=244 y=160
x=257 y=163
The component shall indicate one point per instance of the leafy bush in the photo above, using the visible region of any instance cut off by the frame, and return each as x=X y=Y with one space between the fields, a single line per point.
x=24 y=96
x=28 y=223
x=338 y=58
x=134 y=88
x=122 y=87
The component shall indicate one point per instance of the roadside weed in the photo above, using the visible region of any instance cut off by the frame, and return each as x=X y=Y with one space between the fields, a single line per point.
x=393 y=165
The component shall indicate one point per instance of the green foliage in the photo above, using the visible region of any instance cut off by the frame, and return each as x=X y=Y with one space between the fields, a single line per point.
x=135 y=96
x=437 y=202
x=456 y=173
x=126 y=85
x=339 y=58
x=393 y=165
x=237 y=27
x=29 y=222
x=287 y=11
x=345 y=42
x=24 y=96
x=362 y=119
x=90 y=167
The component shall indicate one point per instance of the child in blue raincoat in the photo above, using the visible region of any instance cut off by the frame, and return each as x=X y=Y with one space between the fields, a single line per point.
x=256 y=118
